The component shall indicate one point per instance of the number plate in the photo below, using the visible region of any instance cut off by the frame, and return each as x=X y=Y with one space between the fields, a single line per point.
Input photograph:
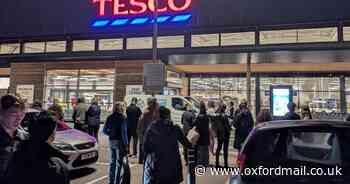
x=88 y=155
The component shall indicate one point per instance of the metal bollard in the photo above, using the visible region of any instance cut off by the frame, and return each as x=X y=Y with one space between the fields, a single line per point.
x=191 y=176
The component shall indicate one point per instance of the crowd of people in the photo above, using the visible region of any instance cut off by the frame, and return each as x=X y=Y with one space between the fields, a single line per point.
x=26 y=155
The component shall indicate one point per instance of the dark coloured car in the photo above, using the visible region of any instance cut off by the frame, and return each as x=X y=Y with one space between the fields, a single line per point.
x=309 y=152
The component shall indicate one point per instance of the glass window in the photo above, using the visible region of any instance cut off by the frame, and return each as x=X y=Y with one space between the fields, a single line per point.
x=229 y=39
x=83 y=45
x=56 y=46
x=34 y=47
x=346 y=33
x=314 y=147
x=205 y=40
x=10 y=48
x=318 y=35
x=67 y=85
x=171 y=41
x=299 y=36
x=278 y=37
x=322 y=94
x=111 y=44
x=4 y=82
x=226 y=88
x=139 y=43
x=178 y=103
x=347 y=92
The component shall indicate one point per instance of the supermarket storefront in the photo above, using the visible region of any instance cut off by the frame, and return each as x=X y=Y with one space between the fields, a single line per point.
x=100 y=51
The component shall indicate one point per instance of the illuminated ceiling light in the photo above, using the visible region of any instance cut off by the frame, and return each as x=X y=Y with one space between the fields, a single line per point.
x=139 y=20
x=161 y=19
x=119 y=22
x=181 y=18
x=100 y=23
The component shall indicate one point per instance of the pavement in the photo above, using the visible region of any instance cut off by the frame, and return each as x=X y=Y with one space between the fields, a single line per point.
x=98 y=173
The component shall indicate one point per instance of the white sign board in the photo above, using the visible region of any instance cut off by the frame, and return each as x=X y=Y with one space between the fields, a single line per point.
x=134 y=89
x=26 y=92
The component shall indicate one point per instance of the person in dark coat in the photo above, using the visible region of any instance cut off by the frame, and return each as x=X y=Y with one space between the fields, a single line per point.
x=133 y=114
x=94 y=119
x=223 y=135
x=244 y=123
x=292 y=115
x=37 y=161
x=306 y=112
x=187 y=121
x=206 y=138
x=162 y=155
x=116 y=130
x=150 y=114
x=11 y=136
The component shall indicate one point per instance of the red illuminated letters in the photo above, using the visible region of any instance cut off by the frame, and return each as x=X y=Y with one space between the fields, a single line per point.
x=173 y=7
x=117 y=8
x=141 y=5
x=135 y=7
x=151 y=6
x=102 y=5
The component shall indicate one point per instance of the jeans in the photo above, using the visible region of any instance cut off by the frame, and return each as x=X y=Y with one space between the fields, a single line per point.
x=93 y=131
x=116 y=160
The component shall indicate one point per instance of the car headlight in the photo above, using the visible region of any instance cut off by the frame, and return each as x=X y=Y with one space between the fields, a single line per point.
x=63 y=147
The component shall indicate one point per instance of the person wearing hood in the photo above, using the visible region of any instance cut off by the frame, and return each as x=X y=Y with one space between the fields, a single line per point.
x=12 y=112
x=94 y=119
x=37 y=161
x=161 y=143
x=244 y=123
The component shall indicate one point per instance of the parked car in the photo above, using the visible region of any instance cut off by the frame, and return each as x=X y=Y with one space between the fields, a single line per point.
x=295 y=144
x=80 y=149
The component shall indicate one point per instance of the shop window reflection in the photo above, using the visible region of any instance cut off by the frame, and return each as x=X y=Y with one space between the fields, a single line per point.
x=67 y=85
x=321 y=94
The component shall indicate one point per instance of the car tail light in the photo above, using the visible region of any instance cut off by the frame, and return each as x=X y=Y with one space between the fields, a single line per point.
x=241 y=160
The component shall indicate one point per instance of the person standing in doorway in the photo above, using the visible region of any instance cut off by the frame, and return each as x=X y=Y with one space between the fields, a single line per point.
x=149 y=115
x=94 y=119
x=133 y=113
x=291 y=115
x=80 y=115
x=116 y=130
x=244 y=123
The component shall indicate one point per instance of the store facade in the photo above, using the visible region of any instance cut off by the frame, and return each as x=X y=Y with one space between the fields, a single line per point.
x=100 y=51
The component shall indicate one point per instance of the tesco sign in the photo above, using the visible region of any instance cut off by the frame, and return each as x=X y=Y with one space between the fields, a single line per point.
x=138 y=7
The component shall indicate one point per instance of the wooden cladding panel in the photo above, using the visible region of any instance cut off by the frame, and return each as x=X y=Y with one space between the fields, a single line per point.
x=28 y=73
